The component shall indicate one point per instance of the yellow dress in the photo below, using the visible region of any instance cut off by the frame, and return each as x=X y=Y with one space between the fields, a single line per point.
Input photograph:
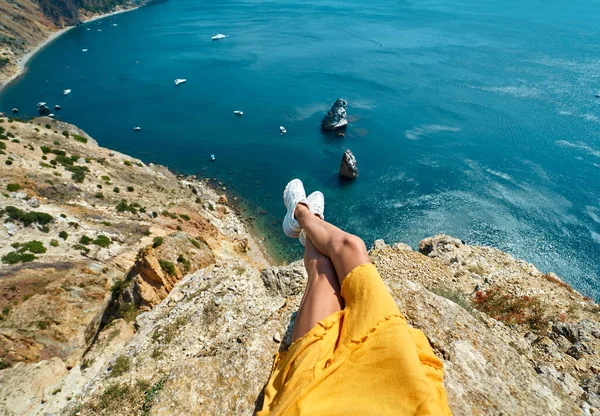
x=363 y=360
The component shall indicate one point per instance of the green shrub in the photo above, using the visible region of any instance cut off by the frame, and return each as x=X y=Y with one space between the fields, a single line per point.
x=185 y=262
x=79 y=138
x=8 y=162
x=54 y=243
x=99 y=195
x=64 y=235
x=13 y=187
x=116 y=190
x=34 y=246
x=28 y=218
x=130 y=189
x=105 y=178
x=121 y=366
x=16 y=257
x=124 y=206
x=169 y=214
x=78 y=173
x=82 y=248
x=85 y=240
x=48 y=126
x=2 y=146
x=185 y=217
x=102 y=241
x=127 y=163
x=167 y=266
x=157 y=242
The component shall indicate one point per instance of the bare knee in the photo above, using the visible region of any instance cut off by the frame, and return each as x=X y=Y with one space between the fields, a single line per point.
x=352 y=245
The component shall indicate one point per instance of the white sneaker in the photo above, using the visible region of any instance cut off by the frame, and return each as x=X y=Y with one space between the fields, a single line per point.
x=316 y=205
x=293 y=195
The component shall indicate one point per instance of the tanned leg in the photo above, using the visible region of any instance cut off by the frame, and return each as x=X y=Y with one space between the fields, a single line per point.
x=345 y=250
x=322 y=294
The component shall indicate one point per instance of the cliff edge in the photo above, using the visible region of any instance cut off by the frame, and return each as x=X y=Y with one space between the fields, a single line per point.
x=125 y=289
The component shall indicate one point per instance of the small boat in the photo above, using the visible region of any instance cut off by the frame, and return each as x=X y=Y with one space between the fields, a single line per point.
x=180 y=81
x=137 y=129
x=597 y=95
x=282 y=130
x=51 y=115
x=88 y=29
x=238 y=112
x=212 y=158
x=99 y=30
x=57 y=107
x=114 y=25
x=66 y=92
x=84 y=50
x=218 y=37
x=15 y=110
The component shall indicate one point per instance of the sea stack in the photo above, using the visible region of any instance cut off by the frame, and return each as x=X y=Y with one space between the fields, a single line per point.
x=336 y=116
x=348 y=169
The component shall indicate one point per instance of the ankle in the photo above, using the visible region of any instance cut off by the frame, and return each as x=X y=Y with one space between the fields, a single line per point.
x=301 y=209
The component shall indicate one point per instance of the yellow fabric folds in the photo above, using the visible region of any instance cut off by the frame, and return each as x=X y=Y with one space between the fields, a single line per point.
x=364 y=360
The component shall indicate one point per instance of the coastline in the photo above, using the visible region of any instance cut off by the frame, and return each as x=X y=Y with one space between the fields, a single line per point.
x=22 y=62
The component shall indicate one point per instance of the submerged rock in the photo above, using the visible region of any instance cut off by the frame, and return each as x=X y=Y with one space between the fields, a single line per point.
x=336 y=116
x=348 y=167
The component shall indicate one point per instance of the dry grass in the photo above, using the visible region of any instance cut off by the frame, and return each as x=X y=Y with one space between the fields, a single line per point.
x=511 y=309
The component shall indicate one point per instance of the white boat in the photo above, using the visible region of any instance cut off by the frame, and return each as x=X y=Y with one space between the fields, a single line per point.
x=212 y=157
x=180 y=81
x=51 y=115
x=99 y=30
x=238 y=112
x=137 y=128
x=282 y=130
x=219 y=36
x=66 y=92
x=114 y=25
x=84 y=50
x=88 y=28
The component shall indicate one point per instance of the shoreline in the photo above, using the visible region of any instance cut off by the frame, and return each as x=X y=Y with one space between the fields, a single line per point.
x=22 y=62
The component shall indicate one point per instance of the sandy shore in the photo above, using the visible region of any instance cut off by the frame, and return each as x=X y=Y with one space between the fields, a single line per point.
x=21 y=64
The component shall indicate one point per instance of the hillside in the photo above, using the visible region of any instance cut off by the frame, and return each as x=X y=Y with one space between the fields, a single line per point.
x=25 y=24
x=125 y=289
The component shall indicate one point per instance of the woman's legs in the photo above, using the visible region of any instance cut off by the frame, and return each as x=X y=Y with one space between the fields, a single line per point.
x=322 y=295
x=346 y=251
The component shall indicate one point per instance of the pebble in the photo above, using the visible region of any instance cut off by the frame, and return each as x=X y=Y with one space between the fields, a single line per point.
x=277 y=337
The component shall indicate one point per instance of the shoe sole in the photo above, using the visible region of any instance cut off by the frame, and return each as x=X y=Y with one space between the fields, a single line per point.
x=285 y=191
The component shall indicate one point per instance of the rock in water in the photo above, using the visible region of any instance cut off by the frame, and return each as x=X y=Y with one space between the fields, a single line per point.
x=336 y=117
x=348 y=167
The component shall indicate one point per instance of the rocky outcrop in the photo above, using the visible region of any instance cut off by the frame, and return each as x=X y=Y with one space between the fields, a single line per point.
x=336 y=116
x=348 y=168
x=81 y=252
x=226 y=321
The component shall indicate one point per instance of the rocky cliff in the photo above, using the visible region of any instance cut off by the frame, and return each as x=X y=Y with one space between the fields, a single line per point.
x=127 y=290
x=25 y=24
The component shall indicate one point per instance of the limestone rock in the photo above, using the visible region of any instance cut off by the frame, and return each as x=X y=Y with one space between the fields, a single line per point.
x=285 y=281
x=223 y=200
x=33 y=202
x=348 y=168
x=336 y=116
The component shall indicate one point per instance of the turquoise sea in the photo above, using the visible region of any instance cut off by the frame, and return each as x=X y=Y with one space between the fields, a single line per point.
x=475 y=119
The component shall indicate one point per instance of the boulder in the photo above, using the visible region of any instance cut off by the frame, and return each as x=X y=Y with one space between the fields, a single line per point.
x=348 y=167
x=336 y=116
x=33 y=202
